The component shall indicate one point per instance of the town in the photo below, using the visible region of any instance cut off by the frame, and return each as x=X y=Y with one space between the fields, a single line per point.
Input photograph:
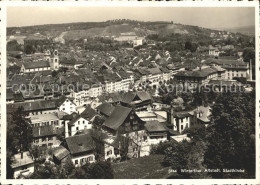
x=91 y=100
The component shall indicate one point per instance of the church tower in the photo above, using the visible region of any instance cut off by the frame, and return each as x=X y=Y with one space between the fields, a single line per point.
x=54 y=60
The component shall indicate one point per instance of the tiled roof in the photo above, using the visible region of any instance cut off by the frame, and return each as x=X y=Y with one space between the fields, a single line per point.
x=18 y=161
x=60 y=152
x=35 y=105
x=106 y=108
x=80 y=143
x=198 y=73
x=38 y=64
x=43 y=131
x=117 y=117
x=155 y=126
x=88 y=113
x=128 y=97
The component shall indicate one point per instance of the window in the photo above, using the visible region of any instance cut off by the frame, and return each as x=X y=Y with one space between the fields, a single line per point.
x=44 y=139
x=78 y=122
x=50 y=138
x=77 y=128
x=109 y=152
x=76 y=161
x=83 y=122
x=63 y=109
x=90 y=158
x=181 y=127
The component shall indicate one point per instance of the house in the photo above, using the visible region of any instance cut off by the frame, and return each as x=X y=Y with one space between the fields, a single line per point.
x=23 y=165
x=45 y=136
x=66 y=104
x=105 y=109
x=60 y=155
x=76 y=124
x=156 y=132
x=179 y=120
x=81 y=148
x=106 y=145
x=139 y=100
x=123 y=120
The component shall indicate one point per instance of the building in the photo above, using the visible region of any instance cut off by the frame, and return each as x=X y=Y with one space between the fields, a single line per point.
x=23 y=165
x=126 y=37
x=179 y=120
x=45 y=136
x=123 y=120
x=60 y=155
x=105 y=109
x=35 y=66
x=89 y=114
x=156 y=132
x=66 y=104
x=200 y=76
x=76 y=124
x=137 y=42
x=139 y=100
x=52 y=119
x=53 y=58
x=213 y=51
x=81 y=148
x=146 y=115
x=233 y=68
x=201 y=115
x=36 y=107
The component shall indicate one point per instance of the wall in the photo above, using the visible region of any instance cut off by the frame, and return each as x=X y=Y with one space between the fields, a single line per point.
x=68 y=107
x=79 y=158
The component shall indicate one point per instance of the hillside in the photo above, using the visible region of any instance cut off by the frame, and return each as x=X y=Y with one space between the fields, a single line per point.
x=74 y=31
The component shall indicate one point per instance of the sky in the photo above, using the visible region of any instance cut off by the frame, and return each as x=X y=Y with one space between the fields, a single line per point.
x=208 y=17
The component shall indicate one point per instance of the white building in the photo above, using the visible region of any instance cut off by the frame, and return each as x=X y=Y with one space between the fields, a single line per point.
x=66 y=105
x=76 y=124
x=81 y=148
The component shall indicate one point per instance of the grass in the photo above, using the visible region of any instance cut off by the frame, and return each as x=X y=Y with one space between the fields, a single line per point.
x=148 y=167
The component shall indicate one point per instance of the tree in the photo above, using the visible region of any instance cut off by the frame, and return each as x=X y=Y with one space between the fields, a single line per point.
x=230 y=135
x=98 y=170
x=13 y=46
x=249 y=54
x=29 y=49
x=19 y=135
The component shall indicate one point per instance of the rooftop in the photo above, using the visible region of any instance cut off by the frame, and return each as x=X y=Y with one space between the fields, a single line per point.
x=18 y=161
x=80 y=143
